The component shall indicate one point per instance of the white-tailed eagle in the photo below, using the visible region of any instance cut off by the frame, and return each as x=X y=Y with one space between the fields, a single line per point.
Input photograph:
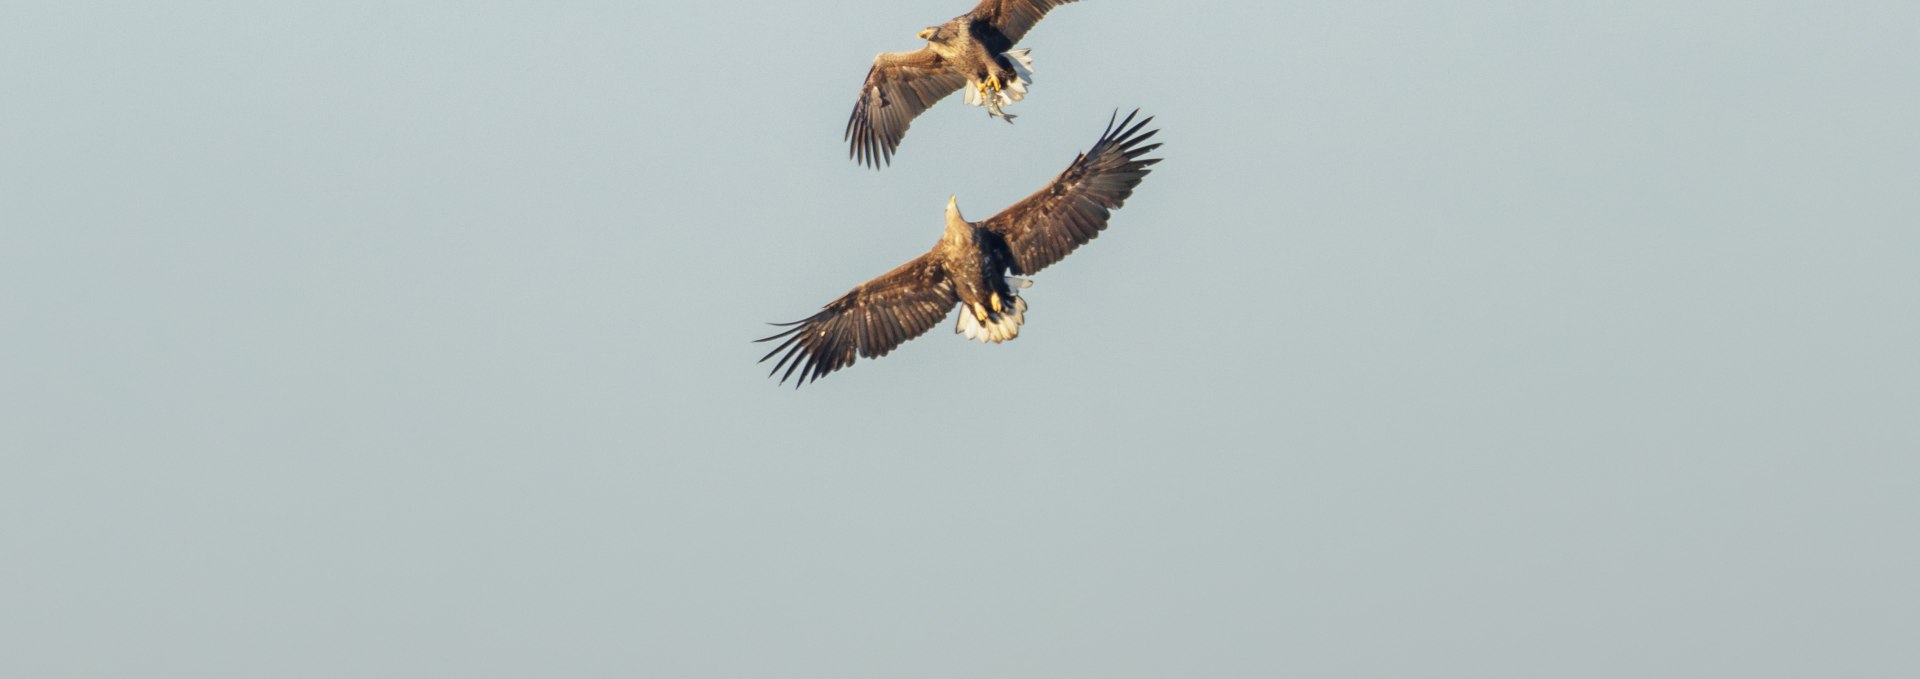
x=970 y=266
x=974 y=50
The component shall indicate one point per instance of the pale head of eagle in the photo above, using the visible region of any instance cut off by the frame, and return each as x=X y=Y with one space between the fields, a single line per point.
x=959 y=230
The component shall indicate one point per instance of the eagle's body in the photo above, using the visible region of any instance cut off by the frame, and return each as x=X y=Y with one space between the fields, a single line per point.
x=973 y=50
x=996 y=76
x=977 y=260
x=973 y=265
x=957 y=43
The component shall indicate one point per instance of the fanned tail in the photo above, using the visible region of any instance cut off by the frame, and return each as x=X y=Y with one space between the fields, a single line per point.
x=1023 y=75
x=999 y=327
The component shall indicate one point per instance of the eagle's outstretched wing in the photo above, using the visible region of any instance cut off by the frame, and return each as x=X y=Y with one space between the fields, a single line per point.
x=1042 y=228
x=1010 y=18
x=899 y=87
x=868 y=321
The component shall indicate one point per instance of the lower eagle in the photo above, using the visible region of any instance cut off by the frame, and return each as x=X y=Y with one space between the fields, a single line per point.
x=976 y=265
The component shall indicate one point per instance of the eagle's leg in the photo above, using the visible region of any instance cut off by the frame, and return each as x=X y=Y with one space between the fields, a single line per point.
x=989 y=87
x=994 y=299
x=980 y=312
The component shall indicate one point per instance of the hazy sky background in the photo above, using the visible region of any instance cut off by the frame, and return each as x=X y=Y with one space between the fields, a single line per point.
x=1463 y=339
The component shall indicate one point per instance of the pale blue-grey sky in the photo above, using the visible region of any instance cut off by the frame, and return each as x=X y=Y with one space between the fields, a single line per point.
x=1471 y=339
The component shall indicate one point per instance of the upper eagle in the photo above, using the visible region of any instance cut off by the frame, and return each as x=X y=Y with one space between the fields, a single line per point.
x=974 y=49
x=969 y=266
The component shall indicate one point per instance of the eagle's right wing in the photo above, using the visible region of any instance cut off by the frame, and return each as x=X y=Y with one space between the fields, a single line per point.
x=1073 y=208
x=899 y=87
x=868 y=321
x=1010 y=20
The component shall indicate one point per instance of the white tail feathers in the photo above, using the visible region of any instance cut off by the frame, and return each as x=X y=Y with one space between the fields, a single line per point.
x=998 y=327
x=1023 y=70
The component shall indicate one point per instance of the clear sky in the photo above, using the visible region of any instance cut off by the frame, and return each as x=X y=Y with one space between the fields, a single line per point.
x=1452 y=339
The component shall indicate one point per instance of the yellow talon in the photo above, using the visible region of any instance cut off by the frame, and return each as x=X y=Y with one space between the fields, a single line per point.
x=995 y=300
x=980 y=312
x=993 y=82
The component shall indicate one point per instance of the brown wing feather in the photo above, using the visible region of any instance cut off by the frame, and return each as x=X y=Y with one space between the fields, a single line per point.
x=899 y=87
x=1013 y=18
x=1073 y=209
x=868 y=321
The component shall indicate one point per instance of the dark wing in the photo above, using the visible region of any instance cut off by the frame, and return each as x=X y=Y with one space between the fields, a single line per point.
x=899 y=87
x=1000 y=24
x=1044 y=227
x=868 y=321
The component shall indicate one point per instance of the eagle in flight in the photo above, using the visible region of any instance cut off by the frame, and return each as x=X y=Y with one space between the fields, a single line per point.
x=974 y=50
x=969 y=267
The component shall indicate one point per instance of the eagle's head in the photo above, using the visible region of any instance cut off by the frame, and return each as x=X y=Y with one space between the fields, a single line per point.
x=959 y=230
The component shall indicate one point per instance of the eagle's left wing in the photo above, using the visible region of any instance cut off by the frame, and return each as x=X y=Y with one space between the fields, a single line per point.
x=868 y=321
x=1044 y=227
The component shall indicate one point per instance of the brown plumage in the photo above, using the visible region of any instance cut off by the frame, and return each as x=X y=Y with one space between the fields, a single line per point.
x=973 y=50
x=970 y=265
